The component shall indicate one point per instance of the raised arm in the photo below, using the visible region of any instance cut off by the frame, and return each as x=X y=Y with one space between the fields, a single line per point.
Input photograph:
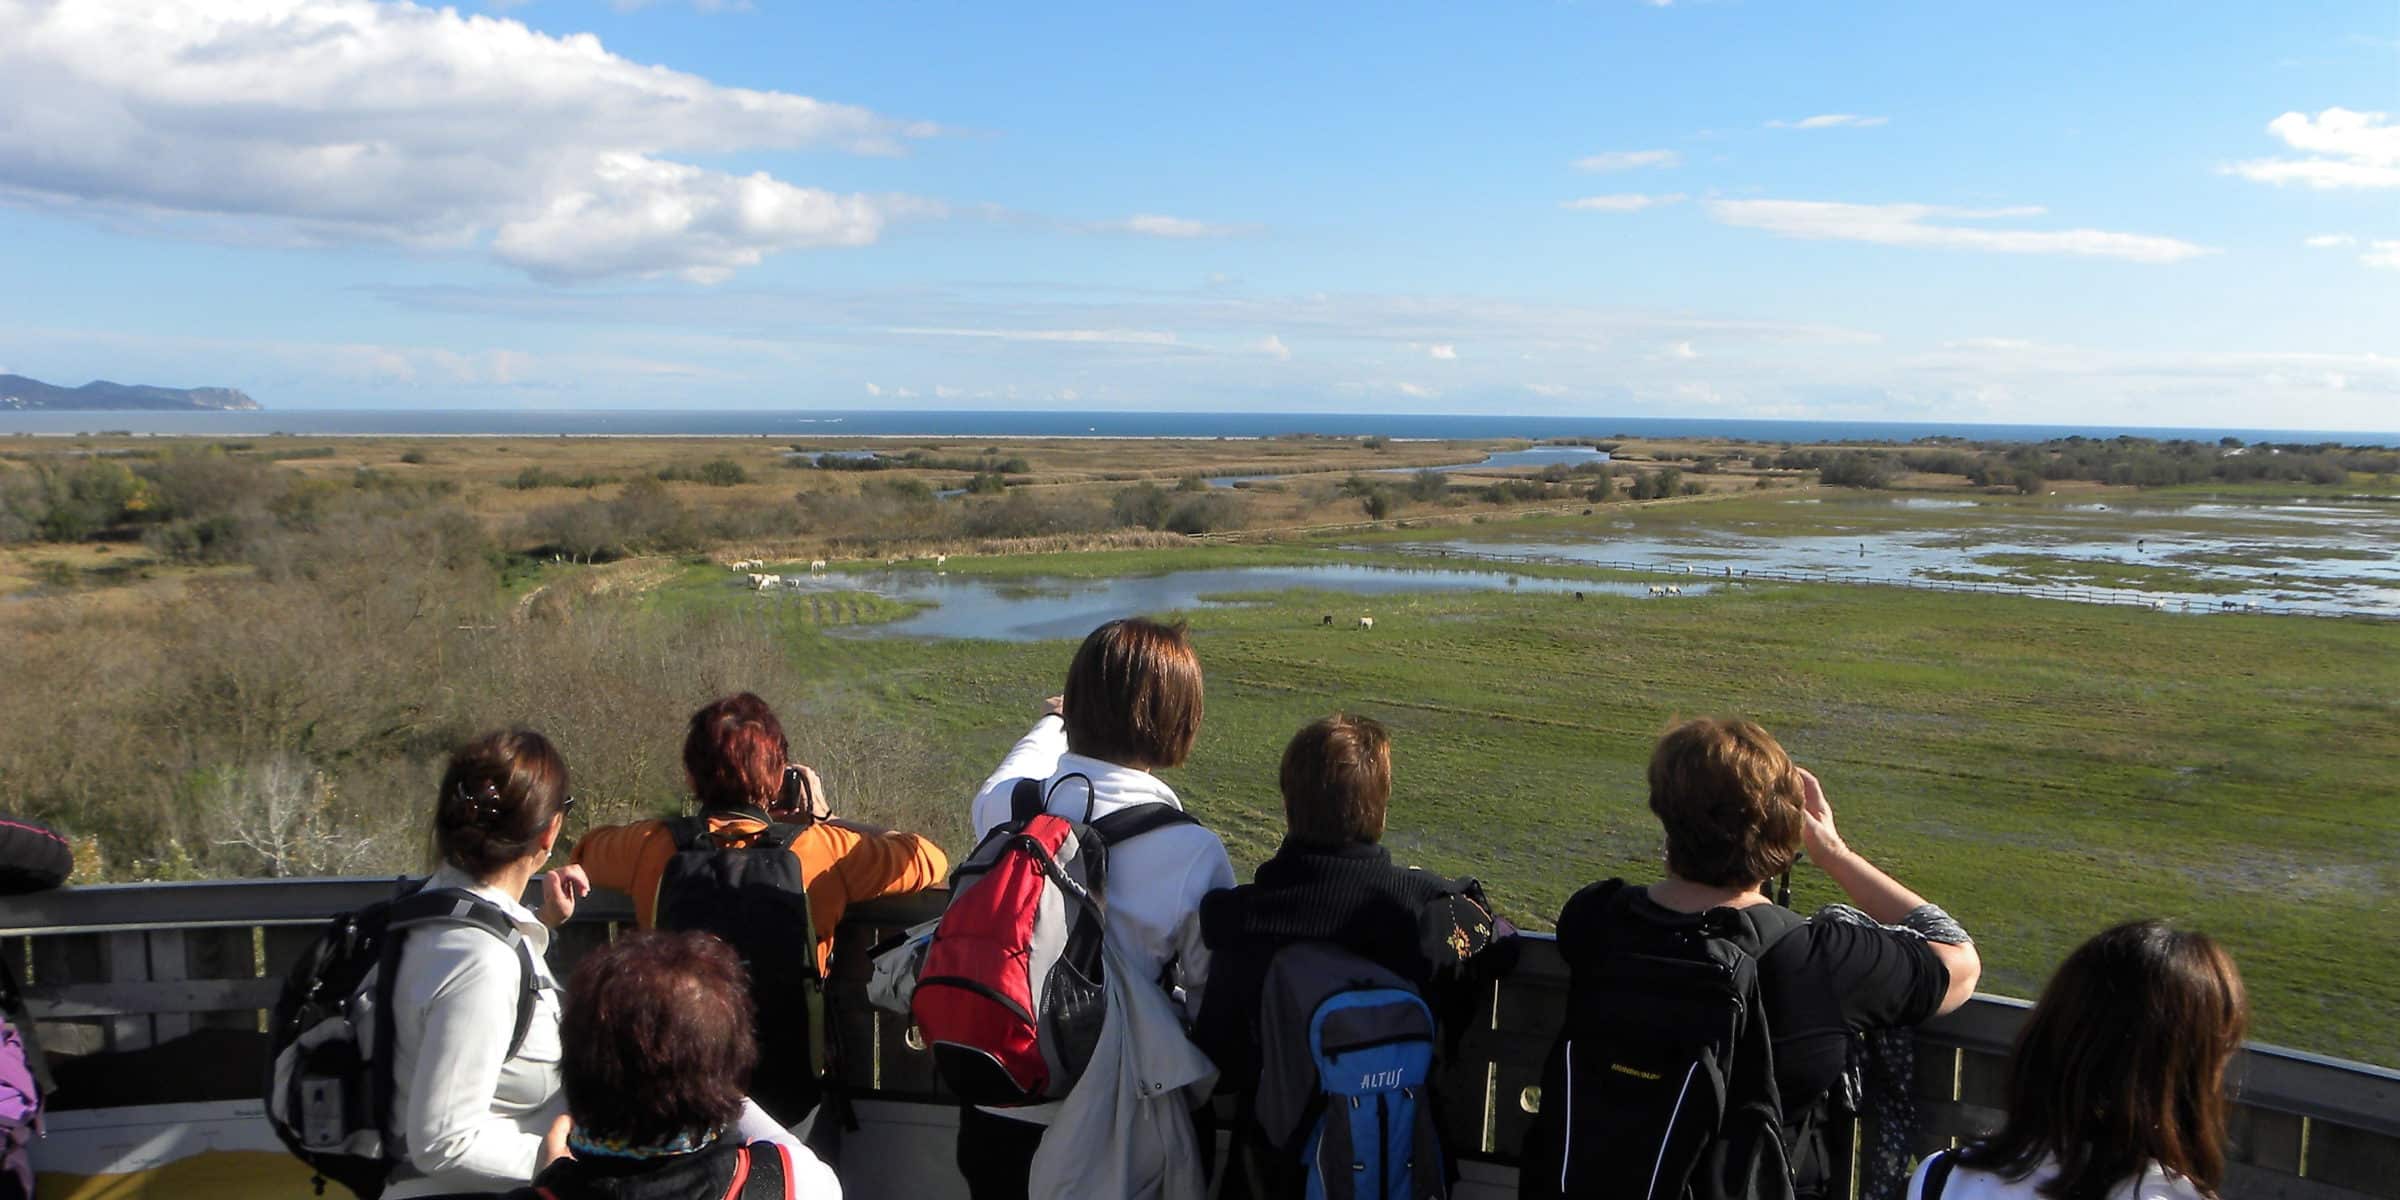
x=1035 y=756
x=1886 y=899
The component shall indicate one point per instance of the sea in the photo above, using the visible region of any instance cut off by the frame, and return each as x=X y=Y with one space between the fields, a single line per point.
x=803 y=424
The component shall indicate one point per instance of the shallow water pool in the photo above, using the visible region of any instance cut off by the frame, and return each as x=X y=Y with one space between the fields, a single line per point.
x=1041 y=609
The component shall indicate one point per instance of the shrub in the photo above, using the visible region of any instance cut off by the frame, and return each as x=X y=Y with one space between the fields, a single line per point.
x=1859 y=470
x=1143 y=505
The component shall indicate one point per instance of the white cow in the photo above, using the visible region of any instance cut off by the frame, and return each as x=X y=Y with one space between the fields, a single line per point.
x=762 y=582
x=1658 y=589
x=1366 y=622
x=1674 y=591
x=940 y=559
x=816 y=566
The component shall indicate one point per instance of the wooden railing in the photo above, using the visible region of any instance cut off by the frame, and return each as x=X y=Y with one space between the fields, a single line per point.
x=154 y=994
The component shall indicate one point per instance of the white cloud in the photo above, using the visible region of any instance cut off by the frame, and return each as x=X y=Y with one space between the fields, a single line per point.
x=1154 y=225
x=2382 y=254
x=1682 y=351
x=351 y=120
x=874 y=390
x=1622 y=202
x=642 y=216
x=2349 y=149
x=1914 y=225
x=1626 y=160
x=1446 y=353
x=1415 y=390
x=1272 y=346
x=1831 y=121
x=1548 y=390
x=2330 y=241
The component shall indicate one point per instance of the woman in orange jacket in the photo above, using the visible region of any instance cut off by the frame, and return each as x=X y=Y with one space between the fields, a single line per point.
x=737 y=761
x=763 y=863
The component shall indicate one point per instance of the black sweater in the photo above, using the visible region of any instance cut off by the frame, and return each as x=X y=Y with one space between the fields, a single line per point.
x=1420 y=926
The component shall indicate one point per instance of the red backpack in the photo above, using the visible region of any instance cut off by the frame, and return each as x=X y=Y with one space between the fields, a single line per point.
x=1012 y=990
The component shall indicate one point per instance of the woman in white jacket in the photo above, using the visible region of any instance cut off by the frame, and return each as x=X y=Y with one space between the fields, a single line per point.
x=2117 y=1087
x=1132 y=706
x=470 y=1115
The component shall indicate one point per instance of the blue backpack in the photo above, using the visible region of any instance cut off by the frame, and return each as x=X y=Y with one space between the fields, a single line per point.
x=1345 y=1057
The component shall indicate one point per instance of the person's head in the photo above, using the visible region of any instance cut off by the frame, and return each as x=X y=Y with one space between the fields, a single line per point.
x=2123 y=1063
x=734 y=753
x=1729 y=798
x=1337 y=782
x=1133 y=695
x=658 y=1035
x=502 y=797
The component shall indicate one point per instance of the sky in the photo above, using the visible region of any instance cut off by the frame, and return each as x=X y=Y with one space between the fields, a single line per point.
x=2155 y=214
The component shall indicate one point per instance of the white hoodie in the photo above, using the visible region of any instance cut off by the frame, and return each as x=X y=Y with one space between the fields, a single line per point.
x=1155 y=881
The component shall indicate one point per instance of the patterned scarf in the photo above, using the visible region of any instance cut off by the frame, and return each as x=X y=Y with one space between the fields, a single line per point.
x=586 y=1144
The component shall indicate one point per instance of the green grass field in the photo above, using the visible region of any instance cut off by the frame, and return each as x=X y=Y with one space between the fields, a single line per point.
x=2039 y=768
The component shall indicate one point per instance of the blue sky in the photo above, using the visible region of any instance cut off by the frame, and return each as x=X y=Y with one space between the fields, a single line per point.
x=2152 y=214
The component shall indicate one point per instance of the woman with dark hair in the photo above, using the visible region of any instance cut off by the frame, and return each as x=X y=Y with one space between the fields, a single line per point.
x=764 y=858
x=658 y=1052
x=1132 y=706
x=2117 y=1087
x=470 y=1113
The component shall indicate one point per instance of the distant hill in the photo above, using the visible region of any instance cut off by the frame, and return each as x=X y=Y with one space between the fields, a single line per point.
x=20 y=394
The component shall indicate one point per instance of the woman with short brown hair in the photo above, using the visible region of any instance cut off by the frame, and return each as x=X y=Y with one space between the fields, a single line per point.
x=2117 y=1087
x=1737 y=812
x=1132 y=706
x=658 y=1051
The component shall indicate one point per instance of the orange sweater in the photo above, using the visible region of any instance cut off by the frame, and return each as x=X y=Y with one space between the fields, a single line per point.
x=841 y=866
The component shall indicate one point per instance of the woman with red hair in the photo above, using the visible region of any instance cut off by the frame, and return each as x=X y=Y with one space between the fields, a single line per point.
x=763 y=859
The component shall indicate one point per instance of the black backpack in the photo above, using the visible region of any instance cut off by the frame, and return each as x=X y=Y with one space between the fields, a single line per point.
x=749 y=891
x=330 y=1081
x=1662 y=1083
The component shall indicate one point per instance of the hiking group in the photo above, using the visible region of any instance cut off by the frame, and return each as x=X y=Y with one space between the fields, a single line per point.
x=1120 y=1018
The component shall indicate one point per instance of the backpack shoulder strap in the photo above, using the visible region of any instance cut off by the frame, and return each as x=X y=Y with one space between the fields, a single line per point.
x=1938 y=1166
x=741 y=1173
x=1125 y=824
x=453 y=906
x=1767 y=925
x=779 y=835
x=791 y=1176
x=1025 y=800
x=687 y=831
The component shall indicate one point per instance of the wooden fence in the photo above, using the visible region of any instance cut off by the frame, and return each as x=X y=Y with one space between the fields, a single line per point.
x=154 y=994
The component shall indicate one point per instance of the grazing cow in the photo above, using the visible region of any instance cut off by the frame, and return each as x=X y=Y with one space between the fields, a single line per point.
x=1657 y=590
x=816 y=566
x=940 y=559
x=1329 y=618
x=1366 y=622
x=763 y=582
x=1579 y=595
x=1674 y=591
